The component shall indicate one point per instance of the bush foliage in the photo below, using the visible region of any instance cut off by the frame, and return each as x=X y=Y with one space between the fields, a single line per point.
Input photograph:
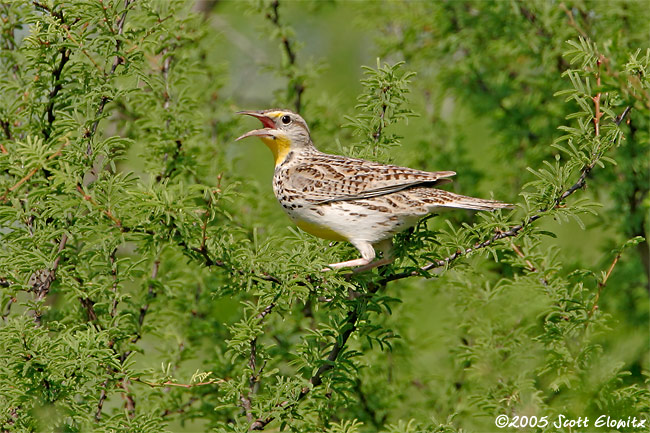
x=149 y=282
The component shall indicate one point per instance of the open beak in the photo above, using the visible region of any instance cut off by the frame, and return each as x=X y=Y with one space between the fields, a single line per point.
x=266 y=121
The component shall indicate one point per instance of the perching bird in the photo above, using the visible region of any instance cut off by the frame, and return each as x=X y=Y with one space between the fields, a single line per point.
x=347 y=199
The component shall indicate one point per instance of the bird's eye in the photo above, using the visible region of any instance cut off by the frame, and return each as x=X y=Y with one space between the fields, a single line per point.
x=286 y=119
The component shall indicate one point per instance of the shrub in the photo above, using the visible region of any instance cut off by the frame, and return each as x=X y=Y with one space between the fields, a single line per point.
x=149 y=283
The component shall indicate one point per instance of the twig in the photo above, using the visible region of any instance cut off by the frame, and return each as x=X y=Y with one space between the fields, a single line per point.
x=572 y=21
x=114 y=287
x=7 y=130
x=128 y=399
x=603 y=283
x=129 y=402
x=56 y=14
x=8 y=308
x=89 y=305
x=181 y=409
x=42 y=280
x=598 y=114
x=116 y=61
x=178 y=385
x=170 y=166
x=253 y=380
x=33 y=171
x=58 y=85
x=517 y=250
x=377 y=134
x=348 y=327
x=248 y=409
x=106 y=212
x=83 y=50
x=151 y=293
x=100 y=404
x=298 y=86
x=204 y=225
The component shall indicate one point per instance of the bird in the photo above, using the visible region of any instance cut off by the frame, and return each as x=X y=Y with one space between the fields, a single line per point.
x=339 y=198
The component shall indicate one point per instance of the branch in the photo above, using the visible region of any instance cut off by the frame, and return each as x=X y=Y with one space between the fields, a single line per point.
x=253 y=380
x=56 y=75
x=517 y=250
x=181 y=409
x=513 y=231
x=572 y=21
x=603 y=283
x=56 y=14
x=111 y=344
x=116 y=61
x=32 y=172
x=42 y=279
x=102 y=399
x=178 y=385
x=598 y=114
x=106 y=212
x=129 y=402
x=4 y=124
x=348 y=327
x=298 y=86
x=169 y=169
x=151 y=293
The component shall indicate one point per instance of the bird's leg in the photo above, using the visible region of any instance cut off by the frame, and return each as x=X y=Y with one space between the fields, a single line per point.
x=367 y=256
x=386 y=248
x=365 y=263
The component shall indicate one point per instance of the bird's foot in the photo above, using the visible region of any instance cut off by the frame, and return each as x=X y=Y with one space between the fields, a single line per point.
x=348 y=264
x=361 y=264
x=373 y=265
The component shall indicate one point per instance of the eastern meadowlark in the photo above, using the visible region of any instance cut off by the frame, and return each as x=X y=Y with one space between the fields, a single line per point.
x=347 y=199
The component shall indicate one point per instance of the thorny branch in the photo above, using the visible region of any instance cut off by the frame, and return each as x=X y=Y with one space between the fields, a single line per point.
x=56 y=73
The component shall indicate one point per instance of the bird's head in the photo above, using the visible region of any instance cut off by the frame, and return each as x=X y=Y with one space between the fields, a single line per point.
x=284 y=131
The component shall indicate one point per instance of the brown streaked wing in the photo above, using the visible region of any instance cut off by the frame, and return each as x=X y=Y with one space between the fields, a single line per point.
x=330 y=178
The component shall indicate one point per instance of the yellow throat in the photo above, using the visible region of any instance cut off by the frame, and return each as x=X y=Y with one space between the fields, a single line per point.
x=279 y=145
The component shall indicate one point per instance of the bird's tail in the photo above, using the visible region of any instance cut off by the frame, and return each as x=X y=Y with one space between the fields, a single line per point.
x=458 y=201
